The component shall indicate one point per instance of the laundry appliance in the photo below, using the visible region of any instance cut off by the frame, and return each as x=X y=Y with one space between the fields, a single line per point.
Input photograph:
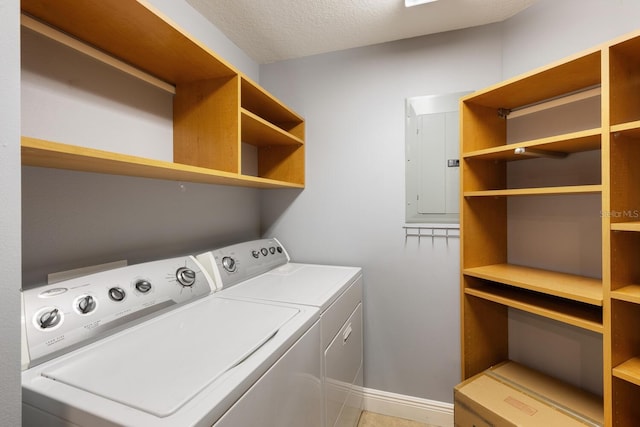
x=262 y=271
x=151 y=345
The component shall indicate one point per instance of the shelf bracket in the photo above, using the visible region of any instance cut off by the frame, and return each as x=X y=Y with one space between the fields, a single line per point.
x=527 y=152
x=504 y=112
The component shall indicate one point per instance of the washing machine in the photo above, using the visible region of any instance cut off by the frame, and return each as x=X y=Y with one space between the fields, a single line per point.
x=262 y=271
x=151 y=345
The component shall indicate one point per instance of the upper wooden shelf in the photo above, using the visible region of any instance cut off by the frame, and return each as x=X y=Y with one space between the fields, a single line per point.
x=570 y=75
x=574 y=142
x=136 y=33
x=539 y=191
x=259 y=132
x=577 y=288
x=36 y=152
x=629 y=371
x=256 y=100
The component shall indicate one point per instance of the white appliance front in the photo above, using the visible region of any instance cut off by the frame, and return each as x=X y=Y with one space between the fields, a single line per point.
x=184 y=367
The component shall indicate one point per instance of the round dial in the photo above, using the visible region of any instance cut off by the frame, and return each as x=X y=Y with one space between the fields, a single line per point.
x=143 y=286
x=264 y=251
x=86 y=304
x=229 y=264
x=186 y=277
x=272 y=250
x=49 y=318
x=117 y=294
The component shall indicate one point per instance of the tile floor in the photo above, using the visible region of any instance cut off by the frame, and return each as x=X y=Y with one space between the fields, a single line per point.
x=370 y=419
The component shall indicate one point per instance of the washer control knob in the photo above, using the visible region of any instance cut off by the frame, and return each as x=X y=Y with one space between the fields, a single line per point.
x=86 y=304
x=272 y=250
x=143 y=286
x=229 y=264
x=279 y=249
x=50 y=318
x=264 y=251
x=117 y=294
x=186 y=277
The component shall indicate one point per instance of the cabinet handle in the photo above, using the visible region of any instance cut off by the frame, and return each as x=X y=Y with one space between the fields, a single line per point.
x=347 y=333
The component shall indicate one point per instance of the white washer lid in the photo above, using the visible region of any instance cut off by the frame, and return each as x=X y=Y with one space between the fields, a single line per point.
x=307 y=284
x=161 y=364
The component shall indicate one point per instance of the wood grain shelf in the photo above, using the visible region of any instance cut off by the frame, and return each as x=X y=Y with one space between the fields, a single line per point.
x=215 y=106
x=629 y=293
x=579 y=315
x=629 y=371
x=577 y=288
x=259 y=132
x=572 y=74
x=36 y=152
x=631 y=129
x=574 y=142
x=626 y=226
x=539 y=191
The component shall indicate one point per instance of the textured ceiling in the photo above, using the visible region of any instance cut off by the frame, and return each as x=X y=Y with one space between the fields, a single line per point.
x=274 y=30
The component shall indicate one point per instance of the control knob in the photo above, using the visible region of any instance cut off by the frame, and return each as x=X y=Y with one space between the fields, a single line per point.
x=229 y=264
x=186 y=277
x=86 y=304
x=255 y=253
x=49 y=318
x=143 y=286
x=264 y=251
x=117 y=294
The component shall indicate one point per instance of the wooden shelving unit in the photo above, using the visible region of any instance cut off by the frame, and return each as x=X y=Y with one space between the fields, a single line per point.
x=609 y=305
x=217 y=109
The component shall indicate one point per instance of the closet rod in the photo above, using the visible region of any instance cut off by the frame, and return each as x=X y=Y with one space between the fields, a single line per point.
x=555 y=102
x=54 y=34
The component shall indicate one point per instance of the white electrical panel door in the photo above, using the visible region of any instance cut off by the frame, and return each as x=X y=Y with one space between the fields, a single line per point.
x=433 y=151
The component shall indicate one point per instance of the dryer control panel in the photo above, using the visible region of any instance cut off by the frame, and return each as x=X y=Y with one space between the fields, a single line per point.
x=236 y=263
x=63 y=316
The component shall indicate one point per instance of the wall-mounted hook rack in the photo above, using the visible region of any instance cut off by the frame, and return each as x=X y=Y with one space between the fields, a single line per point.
x=431 y=231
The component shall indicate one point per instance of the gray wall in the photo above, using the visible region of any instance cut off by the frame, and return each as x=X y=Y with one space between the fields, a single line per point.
x=10 y=213
x=352 y=208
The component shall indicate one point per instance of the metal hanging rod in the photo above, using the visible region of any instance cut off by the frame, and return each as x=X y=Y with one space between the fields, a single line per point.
x=54 y=34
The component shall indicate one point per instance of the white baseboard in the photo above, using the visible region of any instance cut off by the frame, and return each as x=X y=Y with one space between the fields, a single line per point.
x=412 y=408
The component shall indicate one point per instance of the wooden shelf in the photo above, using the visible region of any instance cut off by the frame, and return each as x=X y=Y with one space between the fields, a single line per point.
x=579 y=315
x=48 y=154
x=629 y=371
x=569 y=143
x=540 y=191
x=256 y=100
x=215 y=106
x=626 y=226
x=576 y=73
x=629 y=293
x=259 y=132
x=577 y=288
x=631 y=129
x=136 y=33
